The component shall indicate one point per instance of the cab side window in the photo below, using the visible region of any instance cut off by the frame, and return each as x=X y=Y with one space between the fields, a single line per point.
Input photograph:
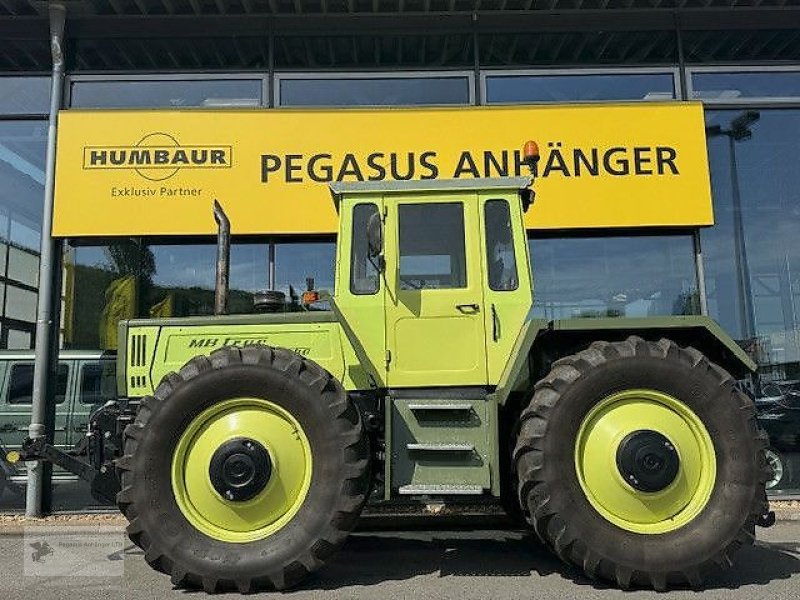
x=432 y=247
x=20 y=388
x=364 y=278
x=501 y=261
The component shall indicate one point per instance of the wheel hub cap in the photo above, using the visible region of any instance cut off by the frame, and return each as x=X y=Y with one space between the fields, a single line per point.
x=647 y=460
x=240 y=469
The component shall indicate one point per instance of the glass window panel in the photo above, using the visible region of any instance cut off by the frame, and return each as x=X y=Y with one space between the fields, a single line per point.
x=20 y=387
x=98 y=383
x=24 y=95
x=133 y=278
x=500 y=259
x=732 y=86
x=20 y=304
x=166 y=93
x=572 y=88
x=614 y=276
x=752 y=259
x=383 y=91
x=364 y=277
x=89 y=274
x=296 y=262
x=22 y=164
x=17 y=337
x=23 y=266
x=432 y=247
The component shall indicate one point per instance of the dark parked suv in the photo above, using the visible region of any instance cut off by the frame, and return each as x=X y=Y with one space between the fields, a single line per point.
x=86 y=380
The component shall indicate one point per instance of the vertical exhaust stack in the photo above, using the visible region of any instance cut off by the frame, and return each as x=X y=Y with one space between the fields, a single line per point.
x=223 y=259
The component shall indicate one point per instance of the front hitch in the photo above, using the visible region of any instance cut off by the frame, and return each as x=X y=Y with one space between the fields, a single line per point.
x=103 y=480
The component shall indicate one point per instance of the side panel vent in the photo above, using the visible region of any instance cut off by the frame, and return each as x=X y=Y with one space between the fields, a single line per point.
x=142 y=342
x=138 y=350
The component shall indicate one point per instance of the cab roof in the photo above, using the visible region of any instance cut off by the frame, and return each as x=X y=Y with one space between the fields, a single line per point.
x=340 y=189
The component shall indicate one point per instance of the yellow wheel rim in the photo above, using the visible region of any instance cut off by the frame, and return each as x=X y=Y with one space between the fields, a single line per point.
x=600 y=435
x=275 y=505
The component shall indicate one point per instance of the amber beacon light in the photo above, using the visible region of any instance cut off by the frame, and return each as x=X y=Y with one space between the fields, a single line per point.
x=530 y=154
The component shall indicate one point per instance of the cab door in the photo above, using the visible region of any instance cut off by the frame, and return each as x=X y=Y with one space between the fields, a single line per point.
x=508 y=292
x=434 y=306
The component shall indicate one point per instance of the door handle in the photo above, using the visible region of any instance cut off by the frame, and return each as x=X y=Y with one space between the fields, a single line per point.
x=468 y=308
x=495 y=324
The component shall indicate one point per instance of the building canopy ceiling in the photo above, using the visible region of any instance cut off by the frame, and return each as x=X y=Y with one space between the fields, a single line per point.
x=225 y=7
x=135 y=35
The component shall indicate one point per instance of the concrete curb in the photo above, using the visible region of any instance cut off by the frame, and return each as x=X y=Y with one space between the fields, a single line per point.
x=434 y=515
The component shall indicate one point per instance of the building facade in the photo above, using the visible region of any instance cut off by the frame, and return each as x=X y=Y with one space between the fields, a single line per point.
x=741 y=59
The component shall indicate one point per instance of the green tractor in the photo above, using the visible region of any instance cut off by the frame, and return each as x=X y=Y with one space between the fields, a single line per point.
x=247 y=445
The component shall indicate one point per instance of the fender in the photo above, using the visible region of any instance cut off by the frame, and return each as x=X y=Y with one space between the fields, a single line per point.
x=541 y=342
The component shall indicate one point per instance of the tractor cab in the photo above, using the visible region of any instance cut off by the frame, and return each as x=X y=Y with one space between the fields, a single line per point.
x=434 y=276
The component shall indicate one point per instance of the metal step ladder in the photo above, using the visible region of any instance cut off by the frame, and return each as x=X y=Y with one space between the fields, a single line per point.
x=440 y=446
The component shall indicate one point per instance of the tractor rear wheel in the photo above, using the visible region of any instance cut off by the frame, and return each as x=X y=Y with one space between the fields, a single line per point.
x=245 y=470
x=641 y=463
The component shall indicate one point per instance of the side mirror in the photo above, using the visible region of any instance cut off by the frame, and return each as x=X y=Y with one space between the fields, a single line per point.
x=374 y=235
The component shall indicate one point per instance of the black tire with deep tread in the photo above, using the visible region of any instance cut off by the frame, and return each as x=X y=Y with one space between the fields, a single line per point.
x=556 y=507
x=339 y=485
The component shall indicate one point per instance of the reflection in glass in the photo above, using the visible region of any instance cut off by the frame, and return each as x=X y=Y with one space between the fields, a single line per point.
x=731 y=86
x=754 y=292
x=128 y=278
x=24 y=95
x=166 y=93
x=579 y=88
x=614 y=276
x=298 y=262
x=383 y=91
x=22 y=164
x=756 y=176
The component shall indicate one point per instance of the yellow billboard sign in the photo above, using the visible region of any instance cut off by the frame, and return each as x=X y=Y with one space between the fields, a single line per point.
x=158 y=172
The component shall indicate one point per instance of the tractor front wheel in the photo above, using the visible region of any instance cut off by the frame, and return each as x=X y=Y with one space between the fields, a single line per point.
x=245 y=470
x=641 y=463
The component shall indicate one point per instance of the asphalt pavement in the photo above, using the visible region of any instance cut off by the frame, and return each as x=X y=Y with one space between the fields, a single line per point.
x=422 y=564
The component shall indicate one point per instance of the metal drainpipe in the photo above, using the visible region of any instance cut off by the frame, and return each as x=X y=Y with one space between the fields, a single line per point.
x=44 y=318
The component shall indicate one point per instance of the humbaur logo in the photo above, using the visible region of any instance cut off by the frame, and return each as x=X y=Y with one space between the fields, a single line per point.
x=158 y=156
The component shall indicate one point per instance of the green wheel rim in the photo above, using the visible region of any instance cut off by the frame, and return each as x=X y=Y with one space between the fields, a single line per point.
x=601 y=433
x=274 y=506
